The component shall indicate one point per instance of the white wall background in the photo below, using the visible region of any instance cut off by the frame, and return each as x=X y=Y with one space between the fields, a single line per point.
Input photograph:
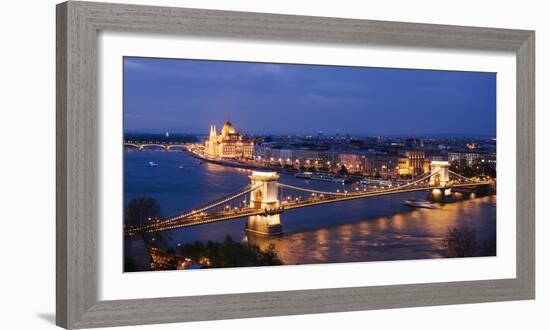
x=27 y=162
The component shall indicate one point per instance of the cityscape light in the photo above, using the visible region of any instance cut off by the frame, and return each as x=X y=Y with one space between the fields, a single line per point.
x=379 y=173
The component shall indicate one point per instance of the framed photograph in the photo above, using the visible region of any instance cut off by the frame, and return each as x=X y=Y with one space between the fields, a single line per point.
x=216 y=164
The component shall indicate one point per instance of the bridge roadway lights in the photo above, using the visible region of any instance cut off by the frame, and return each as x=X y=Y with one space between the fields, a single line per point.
x=165 y=146
x=264 y=198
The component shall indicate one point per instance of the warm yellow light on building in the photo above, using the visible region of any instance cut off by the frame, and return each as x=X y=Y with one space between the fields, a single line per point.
x=227 y=143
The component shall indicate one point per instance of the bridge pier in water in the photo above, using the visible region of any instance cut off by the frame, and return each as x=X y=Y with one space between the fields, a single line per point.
x=264 y=208
x=264 y=198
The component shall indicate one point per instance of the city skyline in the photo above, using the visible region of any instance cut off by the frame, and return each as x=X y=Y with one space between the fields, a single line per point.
x=250 y=181
x=189 y=95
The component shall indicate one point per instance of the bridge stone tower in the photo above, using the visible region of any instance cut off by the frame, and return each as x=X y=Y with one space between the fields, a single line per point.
x=264 y=198
x=439 y=179
x=440 y=173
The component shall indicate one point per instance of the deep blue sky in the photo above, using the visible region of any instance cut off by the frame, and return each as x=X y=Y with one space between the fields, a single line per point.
x=188 y=95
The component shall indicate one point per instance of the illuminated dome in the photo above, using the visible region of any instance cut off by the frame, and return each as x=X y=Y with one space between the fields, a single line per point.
x=228 y=128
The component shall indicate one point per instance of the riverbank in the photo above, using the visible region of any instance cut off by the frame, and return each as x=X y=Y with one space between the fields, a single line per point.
x=319 y=176
x=236 y=164
x=286 y=170
x=380 y=228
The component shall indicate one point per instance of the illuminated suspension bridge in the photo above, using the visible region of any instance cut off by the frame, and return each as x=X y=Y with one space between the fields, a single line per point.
x=268 y=198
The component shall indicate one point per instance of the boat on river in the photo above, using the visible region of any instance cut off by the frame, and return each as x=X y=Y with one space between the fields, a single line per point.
x=303 y=175
x=419 y=203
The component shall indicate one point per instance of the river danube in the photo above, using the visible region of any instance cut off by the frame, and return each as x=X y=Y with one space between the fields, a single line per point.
x=378 y=228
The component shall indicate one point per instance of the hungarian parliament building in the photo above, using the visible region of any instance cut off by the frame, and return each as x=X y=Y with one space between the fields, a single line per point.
x=227 y=143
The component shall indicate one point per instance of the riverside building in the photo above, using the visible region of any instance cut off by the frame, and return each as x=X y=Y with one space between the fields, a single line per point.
x=228 y=143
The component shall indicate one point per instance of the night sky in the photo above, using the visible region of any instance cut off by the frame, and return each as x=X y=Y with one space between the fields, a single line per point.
x=186 y=96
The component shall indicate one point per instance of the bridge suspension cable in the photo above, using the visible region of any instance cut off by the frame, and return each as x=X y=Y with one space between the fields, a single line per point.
x=243 y=191
x=460 y=176
x=282 y=185
x=188 y=218
x=416 y=180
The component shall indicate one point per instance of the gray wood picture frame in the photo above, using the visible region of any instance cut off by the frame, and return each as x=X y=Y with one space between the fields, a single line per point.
x=78 y=24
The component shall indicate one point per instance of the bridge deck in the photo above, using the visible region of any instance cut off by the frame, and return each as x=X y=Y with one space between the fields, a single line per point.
x=198 y=219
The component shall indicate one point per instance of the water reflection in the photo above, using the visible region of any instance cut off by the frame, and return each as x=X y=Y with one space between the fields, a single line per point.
x=414 y=235
x=379 y=228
